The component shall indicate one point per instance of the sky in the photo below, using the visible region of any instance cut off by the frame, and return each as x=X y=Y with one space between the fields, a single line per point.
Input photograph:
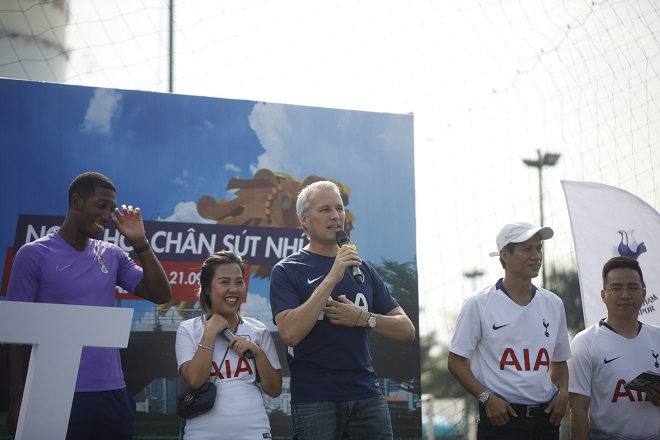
x=488 y=83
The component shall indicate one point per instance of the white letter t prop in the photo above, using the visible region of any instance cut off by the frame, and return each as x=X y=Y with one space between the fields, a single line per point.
x=58 y=333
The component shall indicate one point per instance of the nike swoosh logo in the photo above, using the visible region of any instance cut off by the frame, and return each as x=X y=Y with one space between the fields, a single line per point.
x=607 y=361
x=314 y=280
x=497 y=327
x=60 y=269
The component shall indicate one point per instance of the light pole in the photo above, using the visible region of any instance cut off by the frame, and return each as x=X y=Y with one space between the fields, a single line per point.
x=473 y=275
x=545 y=160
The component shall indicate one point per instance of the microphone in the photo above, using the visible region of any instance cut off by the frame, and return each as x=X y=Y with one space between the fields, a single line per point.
x=227 y=335
x=343 y=239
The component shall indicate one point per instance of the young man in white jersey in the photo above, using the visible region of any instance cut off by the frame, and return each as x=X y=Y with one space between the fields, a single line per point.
x=515 y=338
x=610 y=353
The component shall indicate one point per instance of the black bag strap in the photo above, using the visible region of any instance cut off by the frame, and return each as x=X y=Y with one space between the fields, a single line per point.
x=221 y=362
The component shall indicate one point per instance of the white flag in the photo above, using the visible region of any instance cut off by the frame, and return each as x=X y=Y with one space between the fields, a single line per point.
x=608 y=222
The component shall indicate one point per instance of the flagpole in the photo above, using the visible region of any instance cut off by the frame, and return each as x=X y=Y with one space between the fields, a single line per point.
x=545 y=160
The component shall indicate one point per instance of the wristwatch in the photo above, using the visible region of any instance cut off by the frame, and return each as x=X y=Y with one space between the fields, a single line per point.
x=483 y=397
x=372 y=320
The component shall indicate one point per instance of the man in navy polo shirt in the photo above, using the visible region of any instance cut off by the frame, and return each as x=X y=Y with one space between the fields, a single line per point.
x=324 y=317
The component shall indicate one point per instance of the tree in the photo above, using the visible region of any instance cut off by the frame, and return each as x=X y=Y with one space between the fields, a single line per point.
x=436 y=378
x=566 y=284
x=396 y=357
x=402 y=280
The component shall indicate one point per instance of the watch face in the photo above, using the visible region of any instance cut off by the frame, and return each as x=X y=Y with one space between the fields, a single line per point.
x=372 y=321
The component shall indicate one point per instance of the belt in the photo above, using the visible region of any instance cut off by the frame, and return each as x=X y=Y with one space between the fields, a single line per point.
x=529 y=410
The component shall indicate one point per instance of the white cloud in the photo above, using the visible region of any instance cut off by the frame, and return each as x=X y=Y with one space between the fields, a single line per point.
x=271 y=125
x=102 y=108
x=232 y=167
x=181 y=180
x=186 y=212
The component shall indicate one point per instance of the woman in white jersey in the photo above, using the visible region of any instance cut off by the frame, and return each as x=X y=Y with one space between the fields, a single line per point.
x=204 y=355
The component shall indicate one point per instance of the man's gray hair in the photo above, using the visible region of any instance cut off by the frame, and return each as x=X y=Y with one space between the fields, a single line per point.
x=302 y=203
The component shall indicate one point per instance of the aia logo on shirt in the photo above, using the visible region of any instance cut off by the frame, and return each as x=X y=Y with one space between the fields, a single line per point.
x=242 y=366
x=627 y=395
x=522 y=361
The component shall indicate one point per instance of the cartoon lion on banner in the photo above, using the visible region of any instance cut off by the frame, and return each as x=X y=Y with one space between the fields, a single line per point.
x=266 y=200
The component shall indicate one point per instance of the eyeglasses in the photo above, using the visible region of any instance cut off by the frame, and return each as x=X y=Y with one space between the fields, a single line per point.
x=632 y=290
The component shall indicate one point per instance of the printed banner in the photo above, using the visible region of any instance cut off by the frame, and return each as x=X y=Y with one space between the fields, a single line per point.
x=211 y=174
x=608 y=222
x=180 y=247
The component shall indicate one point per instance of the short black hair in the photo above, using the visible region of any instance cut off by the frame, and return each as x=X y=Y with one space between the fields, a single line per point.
x=622 y=263
x=85 y=184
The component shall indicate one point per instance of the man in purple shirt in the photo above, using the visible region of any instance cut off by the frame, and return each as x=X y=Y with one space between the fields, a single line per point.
x=71 y=266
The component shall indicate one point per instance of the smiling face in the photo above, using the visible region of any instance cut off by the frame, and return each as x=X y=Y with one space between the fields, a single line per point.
x=525 y=260
x=94 y=212
x=624 y=306
x=227 y=289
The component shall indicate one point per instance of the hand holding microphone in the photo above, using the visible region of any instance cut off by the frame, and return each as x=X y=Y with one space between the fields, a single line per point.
x=227 y=335
x=342 y=239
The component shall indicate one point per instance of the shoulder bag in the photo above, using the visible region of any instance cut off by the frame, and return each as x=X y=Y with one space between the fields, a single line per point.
x=192 y=403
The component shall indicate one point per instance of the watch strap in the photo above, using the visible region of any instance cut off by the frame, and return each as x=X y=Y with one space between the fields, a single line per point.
x=371 y=322
x=142 y=248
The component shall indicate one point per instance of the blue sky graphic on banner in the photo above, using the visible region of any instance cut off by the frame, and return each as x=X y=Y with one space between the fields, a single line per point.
x=207 y=174
x=164 y=152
